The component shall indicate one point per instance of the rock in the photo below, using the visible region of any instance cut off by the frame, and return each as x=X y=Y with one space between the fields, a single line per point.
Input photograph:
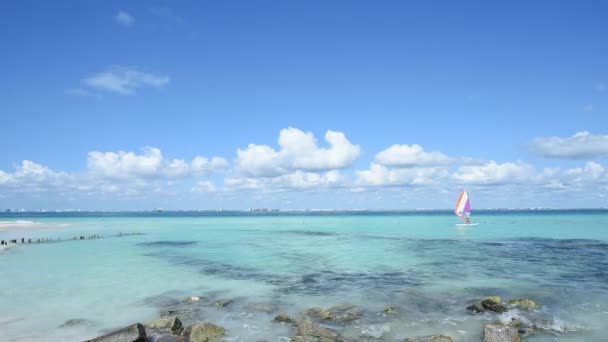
x=310 y=332
x=260 y=307
x=476 y=308
x=192 y=299
x=132 y=333
x=172 y=324
x=430 y=338
x=390 y=310
x=223 y=302
x=492 y=305
x=497 y=332
x=493 y=299
x=284 y=318
x=76 y=322
x=204 y=332
x=171 y=338
x=524 y=303
x=344 y=313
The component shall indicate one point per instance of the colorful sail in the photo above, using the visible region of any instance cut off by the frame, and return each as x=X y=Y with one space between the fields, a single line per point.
x=463 y=206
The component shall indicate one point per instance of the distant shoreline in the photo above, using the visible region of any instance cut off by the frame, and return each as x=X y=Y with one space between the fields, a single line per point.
x=285 y=212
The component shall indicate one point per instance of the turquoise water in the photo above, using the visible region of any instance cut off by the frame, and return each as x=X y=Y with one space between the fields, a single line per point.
x=420 y=263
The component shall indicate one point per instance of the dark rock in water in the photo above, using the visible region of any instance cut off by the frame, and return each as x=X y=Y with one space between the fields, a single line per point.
x=223 y=302
x=284 y=318
x=390 y=310
x=524 y=303
x=192 y=300
x=318 y=313
x=498 y=332
x=261 y=307
x=161 y=301
x=172 y=324
x=76 y=322
x=308 y=332
x=476 y=308
x=171 y=338
x=493 y=306
x=204 y=332
x=132 y=333
x=431 y=338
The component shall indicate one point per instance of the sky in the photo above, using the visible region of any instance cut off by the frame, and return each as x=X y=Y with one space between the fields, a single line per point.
x=134 y=105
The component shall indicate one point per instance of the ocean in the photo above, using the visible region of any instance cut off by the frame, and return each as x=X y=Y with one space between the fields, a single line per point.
x=404 y=274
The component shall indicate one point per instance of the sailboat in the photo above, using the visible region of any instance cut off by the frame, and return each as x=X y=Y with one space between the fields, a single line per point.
x=463 y=209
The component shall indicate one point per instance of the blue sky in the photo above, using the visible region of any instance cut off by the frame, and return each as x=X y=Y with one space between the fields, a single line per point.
x=508 y=100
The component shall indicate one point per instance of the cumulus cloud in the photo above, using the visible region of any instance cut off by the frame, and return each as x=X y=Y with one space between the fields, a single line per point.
x=493 y=173
x=298 y=180
x=380 y=175
x=125 y=80
x=204 y=186
x=298 y=151
x=580 y=145
x=149 y=164
x=410 y=156
x=33 y=177
x=125 y=19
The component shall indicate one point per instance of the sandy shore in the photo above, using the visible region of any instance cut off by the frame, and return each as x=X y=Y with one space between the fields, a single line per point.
x=24 y=224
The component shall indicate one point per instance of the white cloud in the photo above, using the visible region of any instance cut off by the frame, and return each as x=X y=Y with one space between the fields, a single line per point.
x=298 y=180
x=298 y=152
x=493 y=173
x=149 y=164
x=580 y=145
x=125 y=19
x=204 y=186
x=410 y=156
x=380 y=175
x=125 y=80
x=33 y=177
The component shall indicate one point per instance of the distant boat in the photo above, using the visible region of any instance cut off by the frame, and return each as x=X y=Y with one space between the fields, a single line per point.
x=463 y=207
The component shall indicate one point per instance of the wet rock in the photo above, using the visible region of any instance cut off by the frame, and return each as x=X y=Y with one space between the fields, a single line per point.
x=430 y=338
x=223 y=302
x=476 y=308
x=171 y=338
x=192 y=299
x=172 y=324
x=284 y=318
x=390 y=310
x=260 y=307
x=310 y=332
x=524 y=303
x=76 y=322
x=492 y=299
x=204 y=332
x=132 y=333
x=497 y=332
x=344 y=313
x=494 y=306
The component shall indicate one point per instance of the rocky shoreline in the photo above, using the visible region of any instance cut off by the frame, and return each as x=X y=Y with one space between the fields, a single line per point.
x=316 y=324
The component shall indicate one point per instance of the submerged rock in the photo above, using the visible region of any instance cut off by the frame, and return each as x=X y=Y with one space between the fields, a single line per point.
x=223 y=302
x=261 y=307
x=284 y=318
x=204 y=332
x=498 y=332
x=494 y=306
x=524 y=303
x=390 y=310
x=430 y=338
x=172 y=324
x=76 y=322
x=310 y=332
x=132 y=333
x=476 y=308
x=192 y=299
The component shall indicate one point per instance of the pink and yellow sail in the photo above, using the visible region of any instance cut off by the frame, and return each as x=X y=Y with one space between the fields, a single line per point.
x=463 y=206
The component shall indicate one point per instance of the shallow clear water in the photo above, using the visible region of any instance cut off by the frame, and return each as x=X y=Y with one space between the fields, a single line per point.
x=420 y=263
